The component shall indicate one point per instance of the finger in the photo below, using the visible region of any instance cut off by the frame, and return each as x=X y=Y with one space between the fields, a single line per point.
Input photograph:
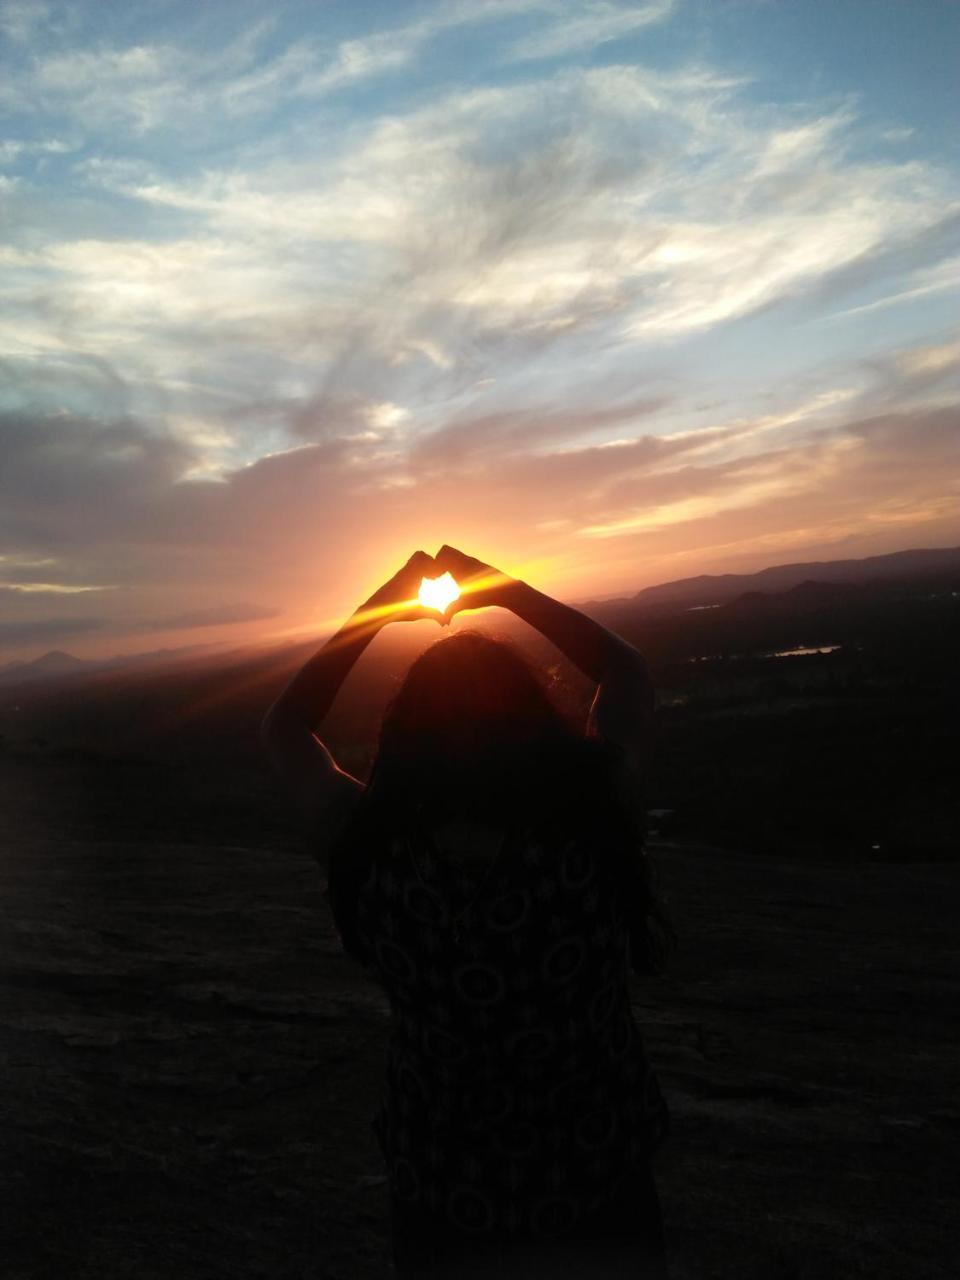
x=465 y=566
x=452 y=560
x=420 y=565
x=417 y=614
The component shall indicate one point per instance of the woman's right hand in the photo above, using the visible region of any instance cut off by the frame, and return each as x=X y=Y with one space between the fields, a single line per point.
x=481 y=586
x=397 y=600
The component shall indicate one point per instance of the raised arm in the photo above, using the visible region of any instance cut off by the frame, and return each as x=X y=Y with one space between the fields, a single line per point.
x=322 y=795
x=622 y=710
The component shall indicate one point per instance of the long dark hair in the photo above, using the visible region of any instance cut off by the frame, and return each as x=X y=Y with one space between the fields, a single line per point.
x=472 y=733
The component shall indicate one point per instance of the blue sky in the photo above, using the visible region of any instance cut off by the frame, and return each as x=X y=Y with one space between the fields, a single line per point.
x=608 y=293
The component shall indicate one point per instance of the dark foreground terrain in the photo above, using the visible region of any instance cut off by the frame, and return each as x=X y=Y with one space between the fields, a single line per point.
x=190 y=1064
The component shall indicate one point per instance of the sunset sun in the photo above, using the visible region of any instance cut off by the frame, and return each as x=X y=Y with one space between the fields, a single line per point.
x=437 y=593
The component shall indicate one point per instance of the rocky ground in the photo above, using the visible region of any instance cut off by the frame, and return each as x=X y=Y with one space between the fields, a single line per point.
x=190 y=1065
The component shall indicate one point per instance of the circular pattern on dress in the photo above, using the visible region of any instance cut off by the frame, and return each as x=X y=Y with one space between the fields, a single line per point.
x=495 y=1101
x=508 y=911
x=532 y=1044
x=469 y=1209
x=597 y=1129
x=480 y=984
x=395 y=960
x=563 y=960
x=576 y=867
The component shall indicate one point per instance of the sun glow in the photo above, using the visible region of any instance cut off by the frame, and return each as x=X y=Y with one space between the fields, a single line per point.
x=437 y=593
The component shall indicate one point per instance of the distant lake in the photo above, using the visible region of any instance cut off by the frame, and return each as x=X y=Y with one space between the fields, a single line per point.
x=797 y=653
x=779 y=653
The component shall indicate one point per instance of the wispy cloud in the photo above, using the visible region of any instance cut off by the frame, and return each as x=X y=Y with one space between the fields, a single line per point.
x=593 y=23
x=311 y=281
x=52 y=588
x=214 y=616
x=943 y=277
x=15 y=635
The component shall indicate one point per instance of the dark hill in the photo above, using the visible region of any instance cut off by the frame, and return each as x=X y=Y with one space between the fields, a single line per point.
x=899 y=566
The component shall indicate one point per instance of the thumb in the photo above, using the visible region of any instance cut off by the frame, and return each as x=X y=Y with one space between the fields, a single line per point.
x=421 y=561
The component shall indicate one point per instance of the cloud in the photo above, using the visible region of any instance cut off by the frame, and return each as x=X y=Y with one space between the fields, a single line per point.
x=153 y=87
x=871 y=473
x=51 y=588
x=916 y=376
x=594 y=24
x=13 y=149
x=280 y=309
x=918 y=261
x=20 y=19
x=510 y=431
x=182 y=85
x=944 y=277
x=43 y=631
x=273 y=523
x=504 y=221
x=214 y=616
x=64 y=476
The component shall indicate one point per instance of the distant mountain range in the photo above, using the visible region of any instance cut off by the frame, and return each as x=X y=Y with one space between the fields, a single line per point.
x=57 y=664
x=706 y=590
x=798 y=586
x=54 y=663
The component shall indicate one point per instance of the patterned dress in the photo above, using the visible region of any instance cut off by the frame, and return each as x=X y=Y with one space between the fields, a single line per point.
x=517 y=1091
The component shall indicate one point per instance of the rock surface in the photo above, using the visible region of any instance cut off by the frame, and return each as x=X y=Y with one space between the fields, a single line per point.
x=190 y=1064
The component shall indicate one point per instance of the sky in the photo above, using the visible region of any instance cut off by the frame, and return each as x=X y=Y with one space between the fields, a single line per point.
x=606 y=294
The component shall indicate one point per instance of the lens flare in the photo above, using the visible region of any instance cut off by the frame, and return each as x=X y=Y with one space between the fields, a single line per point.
x=437 y=593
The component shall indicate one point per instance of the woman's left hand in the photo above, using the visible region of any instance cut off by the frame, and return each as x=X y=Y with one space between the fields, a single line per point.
x=397 y=600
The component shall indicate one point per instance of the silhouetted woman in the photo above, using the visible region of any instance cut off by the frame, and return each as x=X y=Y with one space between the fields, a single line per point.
x=491 y=876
